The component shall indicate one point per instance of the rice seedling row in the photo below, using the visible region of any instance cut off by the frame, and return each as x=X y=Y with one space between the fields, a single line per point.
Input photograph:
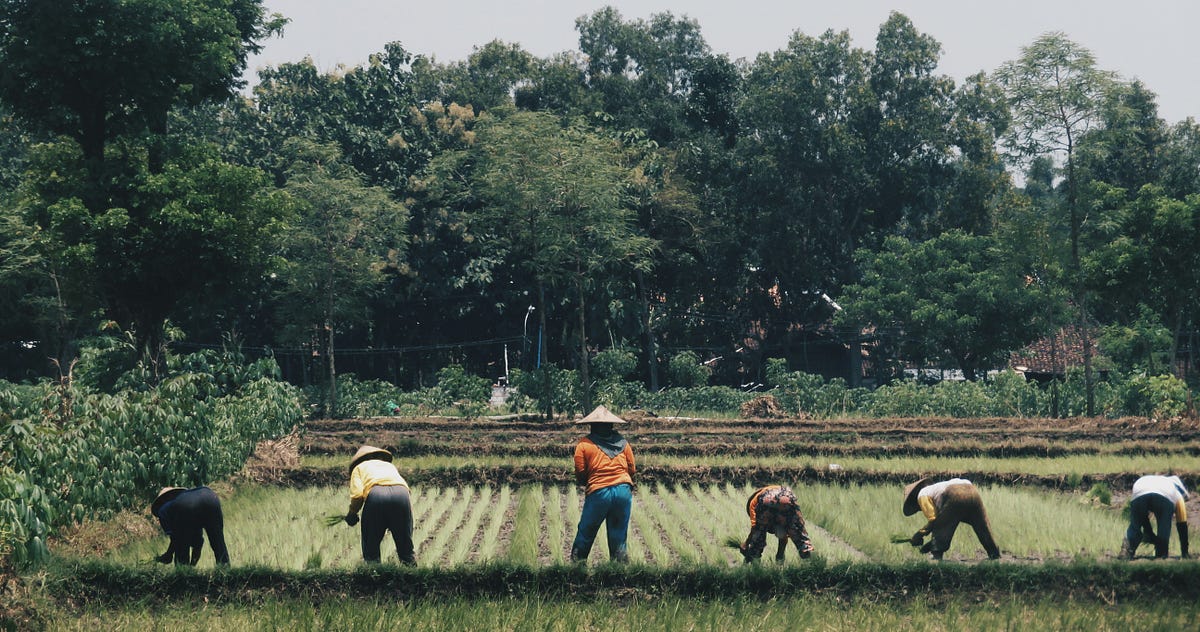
x=434 y=549
x=534 y=525
x=468 y=533
x=489 y=542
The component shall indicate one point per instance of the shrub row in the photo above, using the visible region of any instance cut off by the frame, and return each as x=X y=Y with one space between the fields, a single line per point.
x=1005 y=394
x=68 y=452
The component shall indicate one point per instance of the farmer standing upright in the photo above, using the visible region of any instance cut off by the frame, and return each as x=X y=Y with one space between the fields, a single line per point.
x=1163 y=496
x=945 y=505
x=377 y=488
x=773 y=509
x=185 y=515
x=604 y=465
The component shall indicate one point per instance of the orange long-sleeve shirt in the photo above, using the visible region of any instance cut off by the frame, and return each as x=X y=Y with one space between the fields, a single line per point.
x=598 y=469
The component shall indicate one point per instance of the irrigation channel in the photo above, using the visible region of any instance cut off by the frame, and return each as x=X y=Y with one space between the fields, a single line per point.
x=495 y=507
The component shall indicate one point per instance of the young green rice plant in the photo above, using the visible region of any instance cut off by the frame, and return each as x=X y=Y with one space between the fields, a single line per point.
x=684 y=538
x=271 y=526
x=471 y=528
x=523 y=548
x=1041 y=525
x=430 y=521
x=449 y=526
x=653 y=550
x=553 y=524
x=733 y=508
x=531 y=612
x=489 y=545
x=1069 y=465
x=721 y=519
x=863 y=516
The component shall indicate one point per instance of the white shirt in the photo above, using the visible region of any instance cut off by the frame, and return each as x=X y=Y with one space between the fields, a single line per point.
x=935 y=490
x=1170 y=487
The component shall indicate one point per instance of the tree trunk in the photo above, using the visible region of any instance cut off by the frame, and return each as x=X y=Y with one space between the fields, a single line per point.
x=1177 y=331
x=584 y=379
x=332 y=376
x=1077 y=273
x=650 y=350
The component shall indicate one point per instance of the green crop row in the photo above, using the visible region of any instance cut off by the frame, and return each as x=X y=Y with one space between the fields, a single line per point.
x=1080 y=465
x=682 y=523
x=68 y=453
x=786 y=612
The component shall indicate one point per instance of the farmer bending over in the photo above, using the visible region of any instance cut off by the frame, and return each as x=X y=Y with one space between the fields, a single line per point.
x=604 y=465
x=773 y=509
x=1165 y=497
x=382 y=494
x=946 y=504
x=184 y=514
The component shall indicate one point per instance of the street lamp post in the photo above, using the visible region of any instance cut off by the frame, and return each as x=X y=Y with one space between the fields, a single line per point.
x=525 y=335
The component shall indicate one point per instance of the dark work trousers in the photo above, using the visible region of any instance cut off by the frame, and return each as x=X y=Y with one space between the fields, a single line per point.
x=961 y=503
x=183 y=519
x=388 y=508
x=1140 y=509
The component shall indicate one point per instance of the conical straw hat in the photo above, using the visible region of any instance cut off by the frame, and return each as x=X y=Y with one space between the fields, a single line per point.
x=369 y=452
x=910 y=496
x=165 y=495
x=601 y=416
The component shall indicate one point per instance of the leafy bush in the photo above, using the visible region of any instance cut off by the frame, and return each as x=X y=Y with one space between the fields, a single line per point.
x=549 y=387
x=613 y=365
x=717 y=399
x=459 y=386
x=685 y=370
x=67 y=454
x=800 y=392
x=1158 y=396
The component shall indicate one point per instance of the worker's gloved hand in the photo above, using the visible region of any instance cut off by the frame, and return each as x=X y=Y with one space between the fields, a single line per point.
x=917 y=540
x=352 y=519
x=165 y=558
x=927 y=547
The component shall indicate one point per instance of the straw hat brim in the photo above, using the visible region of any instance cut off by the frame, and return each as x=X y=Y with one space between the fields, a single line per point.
x=910 y=496
x=369 y=452
x=601 y=416
x=165 y=495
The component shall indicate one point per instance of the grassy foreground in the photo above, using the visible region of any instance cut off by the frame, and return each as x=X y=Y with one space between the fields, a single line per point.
x=617 y=612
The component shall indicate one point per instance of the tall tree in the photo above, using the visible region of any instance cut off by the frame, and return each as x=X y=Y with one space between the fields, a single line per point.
x=556 y=198
x=99 y=69
x=1056 y=92
x=951 y=298
x=196 y=232
x=107 y=73
x=342 y=241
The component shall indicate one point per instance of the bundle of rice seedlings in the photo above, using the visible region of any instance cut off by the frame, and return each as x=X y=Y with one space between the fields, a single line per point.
x=900 y=539
x=333 y=519
x=733 y=543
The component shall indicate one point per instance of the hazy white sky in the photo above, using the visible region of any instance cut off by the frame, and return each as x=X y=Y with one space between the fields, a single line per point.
x=1152 y=40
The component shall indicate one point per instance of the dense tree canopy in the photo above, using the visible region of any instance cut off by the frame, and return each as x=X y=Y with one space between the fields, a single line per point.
x=640 y=192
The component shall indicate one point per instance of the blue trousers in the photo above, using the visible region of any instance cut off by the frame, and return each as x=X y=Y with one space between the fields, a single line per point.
x=1139 y=521
x=610 y=506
